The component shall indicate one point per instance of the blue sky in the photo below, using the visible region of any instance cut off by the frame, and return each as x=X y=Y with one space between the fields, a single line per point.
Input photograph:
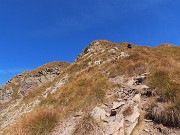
x=35 y=32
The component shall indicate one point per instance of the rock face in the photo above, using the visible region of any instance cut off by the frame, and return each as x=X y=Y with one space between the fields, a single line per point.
x=20 y=85
x=122 y=115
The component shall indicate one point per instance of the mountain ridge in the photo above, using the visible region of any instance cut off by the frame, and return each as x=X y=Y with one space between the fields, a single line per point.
x=108 y=89
x=49 y=70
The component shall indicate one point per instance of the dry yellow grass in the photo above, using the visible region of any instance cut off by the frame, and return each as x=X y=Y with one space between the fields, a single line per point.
x=86 y=126
x=87 y=87
x=83 y=92
x=40 y=122
x=161 y=62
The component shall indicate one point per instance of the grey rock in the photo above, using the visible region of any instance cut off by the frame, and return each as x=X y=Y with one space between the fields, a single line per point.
x=98 y=114
x=116 y=105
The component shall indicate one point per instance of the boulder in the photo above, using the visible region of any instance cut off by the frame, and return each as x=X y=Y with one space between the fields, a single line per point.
x=137 y=98
x=123 y=54
x=116 y=105
x=132 y=118
x=98 y=114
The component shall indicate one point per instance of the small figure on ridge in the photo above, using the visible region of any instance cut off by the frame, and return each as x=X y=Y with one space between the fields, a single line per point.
x=129 y=46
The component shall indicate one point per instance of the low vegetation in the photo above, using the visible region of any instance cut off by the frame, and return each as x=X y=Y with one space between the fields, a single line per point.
x=128 y=111
x=87 y=87
x=40 y=122
x=164 y=81
x=85 y=91
x=86 y=126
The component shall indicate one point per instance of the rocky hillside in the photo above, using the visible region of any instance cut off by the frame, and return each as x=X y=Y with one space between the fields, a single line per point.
x=108 y=90
x=22 y=84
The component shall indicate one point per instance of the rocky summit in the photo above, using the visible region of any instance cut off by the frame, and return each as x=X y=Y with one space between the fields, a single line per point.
x=110 y=89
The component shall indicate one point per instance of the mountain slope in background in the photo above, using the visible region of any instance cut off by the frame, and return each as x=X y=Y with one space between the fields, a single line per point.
x=108 y=89
x=22 y=84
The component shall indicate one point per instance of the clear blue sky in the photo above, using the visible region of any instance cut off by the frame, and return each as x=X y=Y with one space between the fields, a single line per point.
x=34 y=32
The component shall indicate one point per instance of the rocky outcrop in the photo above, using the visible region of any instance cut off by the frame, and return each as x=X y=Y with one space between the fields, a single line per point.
x=5 y=95
x=20 y=85
x=121 y=116
x=98 y=46
x=17 y=108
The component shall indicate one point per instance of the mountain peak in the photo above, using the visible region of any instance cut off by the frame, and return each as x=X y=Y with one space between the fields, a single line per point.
x=109 y=89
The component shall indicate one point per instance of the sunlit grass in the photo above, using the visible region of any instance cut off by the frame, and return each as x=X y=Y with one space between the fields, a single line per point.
x=40 y=122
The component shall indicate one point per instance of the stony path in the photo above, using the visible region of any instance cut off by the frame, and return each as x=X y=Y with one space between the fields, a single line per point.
x=118 y=117
x=122 y=115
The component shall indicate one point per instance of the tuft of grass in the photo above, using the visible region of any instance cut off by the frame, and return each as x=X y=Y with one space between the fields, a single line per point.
x=165 y=86
x=161 y=81
x=166 y=115
x=128 y=111
x=40 y=122
x=177 y=102
x=86 y=126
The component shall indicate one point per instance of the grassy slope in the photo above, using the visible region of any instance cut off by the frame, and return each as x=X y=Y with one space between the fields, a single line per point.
x=87 y=86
